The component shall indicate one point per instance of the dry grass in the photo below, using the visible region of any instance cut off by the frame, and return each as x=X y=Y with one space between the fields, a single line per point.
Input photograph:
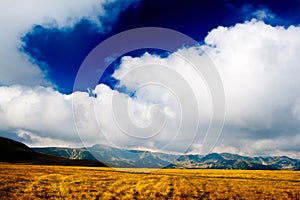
x=55 y=182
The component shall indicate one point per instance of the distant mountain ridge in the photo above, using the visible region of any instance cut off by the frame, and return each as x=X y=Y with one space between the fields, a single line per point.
x=135 y=158
x=16 y=152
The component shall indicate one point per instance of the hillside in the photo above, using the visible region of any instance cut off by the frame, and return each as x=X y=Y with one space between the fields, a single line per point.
x=16 y=152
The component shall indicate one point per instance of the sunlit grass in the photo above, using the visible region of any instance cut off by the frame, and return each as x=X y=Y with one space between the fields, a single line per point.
x=58 y=182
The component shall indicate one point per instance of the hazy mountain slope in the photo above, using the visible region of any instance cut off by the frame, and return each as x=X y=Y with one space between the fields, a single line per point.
x=16 y=152
x=134 y=158
x=71 y=153
x=112 y=156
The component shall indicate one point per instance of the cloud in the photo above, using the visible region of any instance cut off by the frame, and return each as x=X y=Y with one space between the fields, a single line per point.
x=162 y=116
x=263 y=14
x=17 y=18
x=259 y=66
x=36 y=112
x=166 y=90
x=259 y=13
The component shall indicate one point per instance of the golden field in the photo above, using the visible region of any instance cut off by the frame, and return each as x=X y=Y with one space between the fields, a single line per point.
x=61 y=182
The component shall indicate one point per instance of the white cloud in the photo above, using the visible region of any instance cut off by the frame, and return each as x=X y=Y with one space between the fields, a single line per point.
x=18 y=17
x=282 y=145
x=259 y=65
x=37 y=110
x=175 y=85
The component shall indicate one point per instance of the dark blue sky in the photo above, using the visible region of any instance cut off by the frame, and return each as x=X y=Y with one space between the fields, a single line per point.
x=61 y=51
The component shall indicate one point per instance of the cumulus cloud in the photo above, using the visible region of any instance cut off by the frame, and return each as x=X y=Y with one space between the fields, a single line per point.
x=36 y=112
x=41 y=116
x=114 y=118
x=163 y=114
x=17 y=18
x=259 y=66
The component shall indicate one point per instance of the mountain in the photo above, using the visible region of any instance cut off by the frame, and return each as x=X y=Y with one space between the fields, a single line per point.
x=16 y=152
x=113 y=156
x=134 y=158
x=71 y=153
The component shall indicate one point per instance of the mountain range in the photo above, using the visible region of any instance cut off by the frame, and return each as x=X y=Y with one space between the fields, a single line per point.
x=102 y=155
x=134 y=158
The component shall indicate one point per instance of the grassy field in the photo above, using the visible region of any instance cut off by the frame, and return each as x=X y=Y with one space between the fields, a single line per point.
x=58 y=182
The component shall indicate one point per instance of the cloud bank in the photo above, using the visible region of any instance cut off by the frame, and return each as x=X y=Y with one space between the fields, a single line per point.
x=258 y=63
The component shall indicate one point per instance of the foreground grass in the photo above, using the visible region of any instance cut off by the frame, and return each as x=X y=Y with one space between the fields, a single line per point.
x=57 y=182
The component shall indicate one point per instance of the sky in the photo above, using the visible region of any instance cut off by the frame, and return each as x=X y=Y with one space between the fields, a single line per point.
x=209 y=76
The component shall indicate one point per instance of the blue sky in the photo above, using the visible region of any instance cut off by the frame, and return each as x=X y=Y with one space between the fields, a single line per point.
x=63 y=50
x=253 y=45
